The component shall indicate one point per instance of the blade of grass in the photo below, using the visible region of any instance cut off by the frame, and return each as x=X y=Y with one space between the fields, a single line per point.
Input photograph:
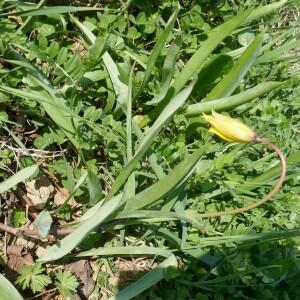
x=194 y=63
x=195 y=252
x=180 y=209
x=72 y=240
x=46 y=11
x=127 y=251
x=246 y=239
x=146 y=214
x=264 y=10
x=42 y=88
x=277 y=52
x=120 y=88
x=231 y=81
x=156 y=51
x=159 y=189
x=18 y=177
x=162 y=120
x=31 y=20
x=152 y=157
x=228 y=103
x=147 y=281
x=168 y=70
x=130 y=185
x=269 y=175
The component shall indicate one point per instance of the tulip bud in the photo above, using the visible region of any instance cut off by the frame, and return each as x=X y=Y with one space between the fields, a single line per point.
x=230 y=129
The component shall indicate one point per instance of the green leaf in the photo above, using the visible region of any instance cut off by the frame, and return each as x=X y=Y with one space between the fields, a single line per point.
x=156 y=51
x=53 y=49
x=19 y=217
x=163 y=119
x=54 y=104
x=232 y=80
x=264 y=10
x=140 y=214
x=150 y=279
x=27 y=25
x=129 y=250
x=46 y=30
x=31 y=277
x=175 y=177
x=133 y=33
x=120 y=88
x=231 y=102
x=17 y=178
x=194 y=63
x=43 y=223
x=246 y=38
x=8 y=291
x=51 y=11
x=43 y=43
x=72 y=240
x=168 y=70
x=66 y=282
x=95 y=189
x=62 y=56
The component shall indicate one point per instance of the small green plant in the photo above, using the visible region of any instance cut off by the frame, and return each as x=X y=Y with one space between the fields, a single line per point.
x=32 y=277
x=66 y=282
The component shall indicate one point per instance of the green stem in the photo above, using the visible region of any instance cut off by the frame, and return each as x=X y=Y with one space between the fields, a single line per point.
x=261 y=201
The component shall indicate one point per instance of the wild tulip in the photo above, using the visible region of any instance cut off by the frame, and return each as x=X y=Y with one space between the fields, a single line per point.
x=233 y=130
x=230 y=129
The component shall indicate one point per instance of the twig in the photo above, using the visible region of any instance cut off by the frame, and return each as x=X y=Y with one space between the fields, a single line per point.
x=54 y=230
x=37 y=153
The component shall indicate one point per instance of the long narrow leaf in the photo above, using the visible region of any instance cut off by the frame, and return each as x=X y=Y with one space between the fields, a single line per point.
x=146 y=214
x=51 y=11
x=264 y=10
x=30 y=20
x=41 y=87
x=175 y=177
x=168 y=70
x=128 y=250
x=72 y=240
x=156 y=51
x=120 y=88
x=17 y=178
x=232 y=80
x=163 y=119
x=8 y=291
x=146 y=281
x=277 y=52
x=195 y=62
x=228 y=103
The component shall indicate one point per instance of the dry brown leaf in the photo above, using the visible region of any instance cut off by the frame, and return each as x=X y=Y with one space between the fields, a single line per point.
x=82 y=270
x=61 y=195
x=39 y=191
x=17 y=256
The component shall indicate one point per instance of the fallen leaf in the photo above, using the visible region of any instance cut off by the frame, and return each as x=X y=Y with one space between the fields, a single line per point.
x=39 y=191
x=82 y=270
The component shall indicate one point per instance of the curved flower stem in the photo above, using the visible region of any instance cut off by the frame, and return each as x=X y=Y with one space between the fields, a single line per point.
x=261 y=201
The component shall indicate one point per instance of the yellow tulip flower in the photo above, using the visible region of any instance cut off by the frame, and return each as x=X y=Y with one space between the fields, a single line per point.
x=230 y=129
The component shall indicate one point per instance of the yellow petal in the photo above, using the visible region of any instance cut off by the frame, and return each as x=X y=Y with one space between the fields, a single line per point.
x=230 y=129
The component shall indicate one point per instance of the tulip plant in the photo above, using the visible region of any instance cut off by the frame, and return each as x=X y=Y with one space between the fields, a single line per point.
x=112 y=102
x=233 y=130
